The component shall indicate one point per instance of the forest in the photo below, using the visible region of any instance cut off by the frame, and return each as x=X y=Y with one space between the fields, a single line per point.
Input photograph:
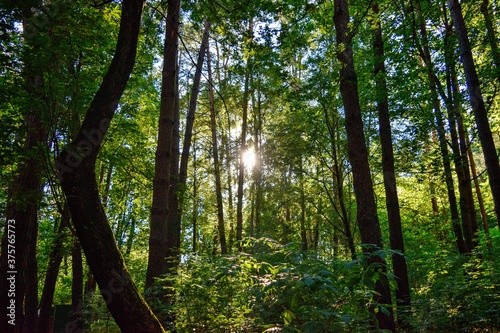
x=249 y=166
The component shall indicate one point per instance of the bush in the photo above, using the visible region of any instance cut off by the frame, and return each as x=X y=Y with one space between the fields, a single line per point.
x=271 y=287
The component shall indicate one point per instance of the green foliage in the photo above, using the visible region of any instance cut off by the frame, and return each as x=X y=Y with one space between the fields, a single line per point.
x=271 y=287
x=456 y=294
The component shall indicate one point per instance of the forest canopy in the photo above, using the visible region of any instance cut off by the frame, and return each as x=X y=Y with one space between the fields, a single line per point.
x=250 y=166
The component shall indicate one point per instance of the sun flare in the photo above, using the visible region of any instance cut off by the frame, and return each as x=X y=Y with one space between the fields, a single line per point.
x=249 y=158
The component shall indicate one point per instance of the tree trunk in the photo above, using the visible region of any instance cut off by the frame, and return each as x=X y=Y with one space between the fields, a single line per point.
x=243 y=147
x=55 y=259
x=157 y=264
x=227 y=152
x=467 y=209
x=478 y=106
x=18 y=265
x=491 y=36
x=257 y=167
x=77 y=285
x=403 y=298
x=196 y=201
x=441 y=134
x=215 y=152
x=338 y=181
x=179 y=188
x=76 y=167
x=303 y=231
x=368 y=223
x=479 y=194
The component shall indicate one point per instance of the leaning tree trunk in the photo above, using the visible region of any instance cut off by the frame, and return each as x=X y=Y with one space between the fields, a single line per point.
x=368 y=223
x=478 y=106
x=403 y=299
x=76 y=168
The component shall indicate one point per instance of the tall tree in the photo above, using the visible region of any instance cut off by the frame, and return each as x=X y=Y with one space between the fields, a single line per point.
x=453 y=106
x=158 y=246
x=18 y=265
x=478 y=105
x=243 y=145
x=367 y=218
x=76 y=168
x=400 y=268
x=55 y=259
x=424 y=51
x=176 y=196
x=215 y=152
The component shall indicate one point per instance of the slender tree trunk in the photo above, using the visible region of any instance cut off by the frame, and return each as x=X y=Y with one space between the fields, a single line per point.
x=177 y=199
x=228 y=159
x=77 y=285
x=55 y=259
x=196 y=202
x=478 y=106
x=173 y=228
x=463 y=247
x=479 y=194
x=467 y=207
x=227 y=153
x=215 y=152
x=243 y=147
x=400 y=268
x=257 y=168
x=491 y=36
x=303 y=231
x=368 y=223
x=158 y=246
x=338 y=181
x=76 y=167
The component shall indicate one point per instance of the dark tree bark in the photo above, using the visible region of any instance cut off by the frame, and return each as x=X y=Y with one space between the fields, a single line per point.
x=174 y=220
x=158 y=246
x=18 y=265
x=215 y=152
x=403 y=298
x=478 y=106
x=467 y=209
x=368 y=223
x=173 y=228
x=76 y=167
